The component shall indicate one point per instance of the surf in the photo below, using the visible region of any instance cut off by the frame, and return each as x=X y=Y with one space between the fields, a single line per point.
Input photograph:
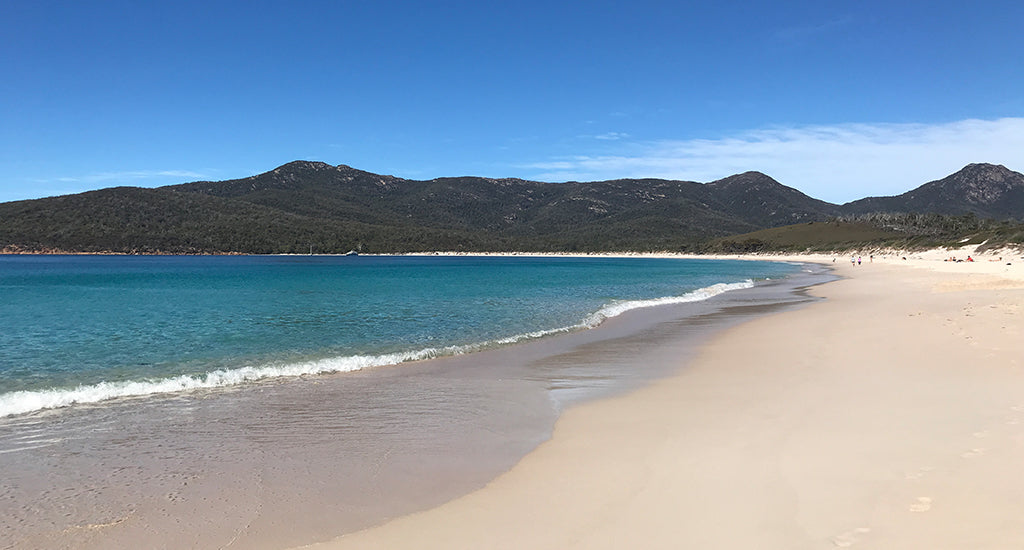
x=29 y=401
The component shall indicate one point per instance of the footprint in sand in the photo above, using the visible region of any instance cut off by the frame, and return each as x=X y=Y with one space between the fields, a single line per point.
x=849 y=538
x=923 y=504
x=981 y=434
x=973 y=453
x=921 y=472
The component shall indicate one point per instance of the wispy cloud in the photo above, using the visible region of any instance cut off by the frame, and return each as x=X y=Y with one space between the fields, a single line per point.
x=129 y=175
x=611 y=136
x=804 y=33
x=32 y=188
x=836 y=163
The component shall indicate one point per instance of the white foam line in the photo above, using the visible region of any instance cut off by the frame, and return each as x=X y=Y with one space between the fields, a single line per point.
x=618 y=308
x=21 y=402
x=5 y=451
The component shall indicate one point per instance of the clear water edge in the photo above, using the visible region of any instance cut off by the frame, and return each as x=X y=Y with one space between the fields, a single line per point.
x=327 y=455
x=89 y=329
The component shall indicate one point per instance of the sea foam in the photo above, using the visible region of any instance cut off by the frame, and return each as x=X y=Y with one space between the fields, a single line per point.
x=21 y=402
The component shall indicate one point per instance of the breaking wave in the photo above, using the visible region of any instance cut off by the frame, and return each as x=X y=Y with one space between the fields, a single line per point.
x=21 y=402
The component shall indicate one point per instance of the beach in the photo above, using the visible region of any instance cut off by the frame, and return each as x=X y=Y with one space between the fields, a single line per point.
x=884 y=409
x=310 y=451
x=888 y=415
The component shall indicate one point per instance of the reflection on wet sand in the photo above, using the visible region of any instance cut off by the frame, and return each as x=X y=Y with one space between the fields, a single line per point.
x=271 y=465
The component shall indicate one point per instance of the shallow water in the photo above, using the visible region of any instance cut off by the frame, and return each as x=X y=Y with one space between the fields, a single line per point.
x=82 y=329
x=289 y=461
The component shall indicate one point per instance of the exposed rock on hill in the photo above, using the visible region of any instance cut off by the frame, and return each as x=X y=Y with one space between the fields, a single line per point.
x=303 y=206
x=987 y=190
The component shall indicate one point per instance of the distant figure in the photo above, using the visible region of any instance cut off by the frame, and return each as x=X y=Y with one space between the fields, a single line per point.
x=853 y=260
x=871 y=258
x=858 y=260
x=970 y=259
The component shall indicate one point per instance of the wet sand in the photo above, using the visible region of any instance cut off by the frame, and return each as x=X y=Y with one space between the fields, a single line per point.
x=286 y=463
x=890 y=415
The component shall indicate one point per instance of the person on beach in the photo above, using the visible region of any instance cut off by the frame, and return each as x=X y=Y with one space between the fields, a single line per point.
x=858 y=260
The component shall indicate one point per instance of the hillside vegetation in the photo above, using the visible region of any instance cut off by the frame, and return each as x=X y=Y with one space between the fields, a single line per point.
x=875 y=231
x=312 y=206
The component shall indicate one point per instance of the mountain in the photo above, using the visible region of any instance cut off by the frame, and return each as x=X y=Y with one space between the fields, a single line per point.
x=986 y=190
x=765 y=202
x=137 y=220
x=333 y=209
x=617 y=213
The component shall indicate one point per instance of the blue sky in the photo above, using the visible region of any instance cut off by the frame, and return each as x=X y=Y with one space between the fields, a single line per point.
x=838 y=99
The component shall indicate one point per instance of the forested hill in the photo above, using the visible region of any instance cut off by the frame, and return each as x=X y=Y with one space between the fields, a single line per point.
x=522 y=208
x=303 y=206
x=985 y=190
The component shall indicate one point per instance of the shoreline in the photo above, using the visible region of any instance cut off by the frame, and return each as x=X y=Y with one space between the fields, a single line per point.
x=34 y=400
x=888 y=415
x=582 y=495
x=284 y=463
x=930 y=253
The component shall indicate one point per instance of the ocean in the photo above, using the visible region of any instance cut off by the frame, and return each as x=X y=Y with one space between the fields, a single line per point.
x=276 y=401
x=84 y=329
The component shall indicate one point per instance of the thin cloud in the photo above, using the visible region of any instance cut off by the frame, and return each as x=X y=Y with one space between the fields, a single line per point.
x=607 y=136
x=836 y=163
x=63 y=185
x=132 y=175
x=804 y=33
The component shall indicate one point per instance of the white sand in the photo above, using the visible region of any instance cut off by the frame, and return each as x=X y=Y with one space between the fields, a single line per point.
x=889 y=416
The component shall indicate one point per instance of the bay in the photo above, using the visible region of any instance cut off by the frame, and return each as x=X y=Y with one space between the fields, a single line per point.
x=245 y=428
x=82 y=329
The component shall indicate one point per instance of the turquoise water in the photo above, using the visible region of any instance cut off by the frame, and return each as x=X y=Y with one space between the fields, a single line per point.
x=79 y=329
